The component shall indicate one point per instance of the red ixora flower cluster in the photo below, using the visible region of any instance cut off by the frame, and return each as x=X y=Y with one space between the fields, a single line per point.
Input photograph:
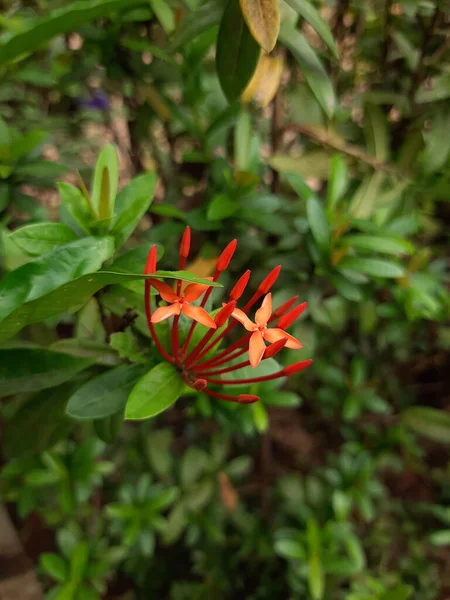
x=197 y=370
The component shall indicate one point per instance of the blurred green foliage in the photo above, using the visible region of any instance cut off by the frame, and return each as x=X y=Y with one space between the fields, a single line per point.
x=329 y=156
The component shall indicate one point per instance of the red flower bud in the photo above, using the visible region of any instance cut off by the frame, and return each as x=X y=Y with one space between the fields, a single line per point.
x=283 y=309
x=185 y=243
x=296 y=367
x=223 y=315
x=286 y=320
x=200 y=384
x=150 y=265
x=268 y=282
x=275 y=348
x=240 y=286
x=224 y=259
x=247 y=398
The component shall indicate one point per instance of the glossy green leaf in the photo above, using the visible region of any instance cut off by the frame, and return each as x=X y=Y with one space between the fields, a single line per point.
x=429 y=422
x=51 y=271
x=106 y=394
x=318 y=222
x=133 y=260
x=306 y=9
x=374 y=267
x=33 y=369
x=71 y=296
x=237 y=52
x=40 y=238
x=155 y=392
x=105 y=182
x=310 y=65
x=132 y=203
x=63 y=20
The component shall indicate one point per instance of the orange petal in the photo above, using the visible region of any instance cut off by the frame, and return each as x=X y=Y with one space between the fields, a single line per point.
x=164 y=312
x=198 y=314
x=264 y=313
x=194 y=290
x=240 y=316
x=165 y=291
x=275 y=334
x=256 y=348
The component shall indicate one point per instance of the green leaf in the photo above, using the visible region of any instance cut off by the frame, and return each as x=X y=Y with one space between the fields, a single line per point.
x=106 y=394
x=109 y=428
x=378 y=243
x=54 y=565
x=79 y=561
x=237 y=52
x=51 y=271
x=63 y=20
x=316 y=580
x=133 y=260
x=318 y=223
x=260 y=417
x=39 y=423
x=438 y=90
x=374 y=267
x=310 y=65
x=40 y=238
x=263 y=20
x=345 y=287
x=311 y=15
x=192 y=466
x=221 y=207
x=279 y=398
x=155 y=392
x=164 y=13
x=429 y=422
x=76 y=205
x=242 y=141
x=311 y=164
x=74 y=294
x=131 y=204
x=338 y=182
x=105 y=182
x=127 y=346
x=376 y=130
x=196 y=22
x=290 y=549
x=32 y=369
x=440 y=538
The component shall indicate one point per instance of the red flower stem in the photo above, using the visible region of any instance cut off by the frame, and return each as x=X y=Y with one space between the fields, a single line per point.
x=213 y=364
x=175 y=339
x=240 y=365
x=194 y=323
x=238 y=344
x=227 y=397
x=245 y=381
x=148 y=313
x=196 y=351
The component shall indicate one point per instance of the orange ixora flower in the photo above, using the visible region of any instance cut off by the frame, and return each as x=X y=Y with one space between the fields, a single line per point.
x=257 y=347
x=181 y=304
x=199 y=367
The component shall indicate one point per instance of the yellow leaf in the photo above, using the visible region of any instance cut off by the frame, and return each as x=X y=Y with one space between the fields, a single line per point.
x=263 y=20
x=202 y=267
x=265 y=82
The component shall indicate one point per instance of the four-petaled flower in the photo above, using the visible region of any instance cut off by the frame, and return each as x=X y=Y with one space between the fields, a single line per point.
x=182 y=303
x=261 y=332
